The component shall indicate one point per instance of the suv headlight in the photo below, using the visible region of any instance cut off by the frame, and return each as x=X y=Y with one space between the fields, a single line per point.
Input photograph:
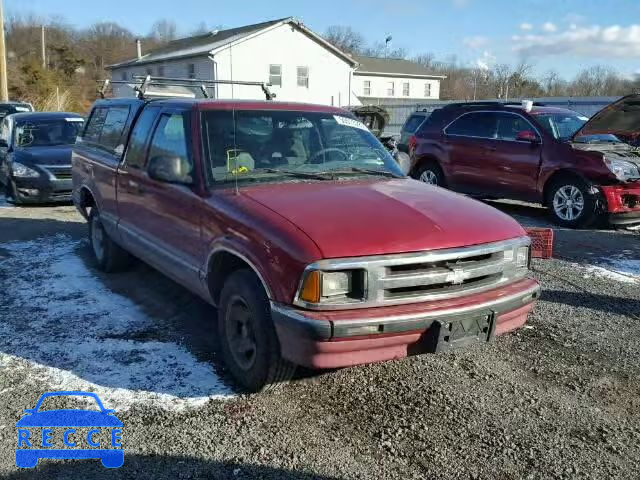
x=623 y=170
x=20 y=170
x=320 y=287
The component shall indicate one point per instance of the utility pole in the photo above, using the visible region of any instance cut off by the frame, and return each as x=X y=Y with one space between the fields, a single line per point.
x=44 y=50
x=4 y=89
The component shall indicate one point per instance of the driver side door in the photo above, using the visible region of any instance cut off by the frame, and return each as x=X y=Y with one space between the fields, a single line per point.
x=160 y=221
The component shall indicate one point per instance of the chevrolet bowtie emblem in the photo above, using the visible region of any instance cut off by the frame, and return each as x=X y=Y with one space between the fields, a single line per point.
x=456 y=276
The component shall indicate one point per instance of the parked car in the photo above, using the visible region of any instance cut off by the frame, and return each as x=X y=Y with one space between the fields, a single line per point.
x=410 y=127
x=297 y=224
x=35 y=155
x=579 y=169
x=7 y=108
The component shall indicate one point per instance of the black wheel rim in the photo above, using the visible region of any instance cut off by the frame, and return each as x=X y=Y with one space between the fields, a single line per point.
x=240 y=333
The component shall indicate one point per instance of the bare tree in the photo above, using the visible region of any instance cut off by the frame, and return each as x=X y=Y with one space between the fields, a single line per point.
x=164 y=31
x=426 y=60
x=345 y=38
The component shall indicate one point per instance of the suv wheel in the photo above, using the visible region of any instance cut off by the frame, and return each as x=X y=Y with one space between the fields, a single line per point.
x=248 y=339
x=109 y=256
x=430 y=173
x=571 y=204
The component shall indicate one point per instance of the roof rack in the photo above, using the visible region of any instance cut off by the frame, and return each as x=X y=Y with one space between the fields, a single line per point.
x=143 y=92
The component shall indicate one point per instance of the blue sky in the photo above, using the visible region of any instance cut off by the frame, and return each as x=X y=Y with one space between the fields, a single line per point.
x=564 y=35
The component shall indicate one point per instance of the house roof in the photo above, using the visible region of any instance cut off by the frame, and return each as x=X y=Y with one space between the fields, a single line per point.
x=391 y=67
x=208 y=42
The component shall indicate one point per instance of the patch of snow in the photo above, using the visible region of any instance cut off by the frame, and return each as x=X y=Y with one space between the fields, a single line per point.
x=618 y=269
x=72 y=335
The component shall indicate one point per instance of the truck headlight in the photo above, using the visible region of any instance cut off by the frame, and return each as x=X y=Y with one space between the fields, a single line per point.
x=521 y=256
x=20 y=170
x=319 y=287
x=623 y=170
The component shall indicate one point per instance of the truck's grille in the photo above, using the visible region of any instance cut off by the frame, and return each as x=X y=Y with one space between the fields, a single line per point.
x=59 y=172
x=430 y=275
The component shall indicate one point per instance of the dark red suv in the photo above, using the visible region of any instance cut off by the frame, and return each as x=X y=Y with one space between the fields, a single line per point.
x=580 y=169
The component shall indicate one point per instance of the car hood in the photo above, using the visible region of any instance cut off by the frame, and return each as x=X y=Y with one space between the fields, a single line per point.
x=69 y=418
x=57 y=155
x=358 y=218
x=621 y=118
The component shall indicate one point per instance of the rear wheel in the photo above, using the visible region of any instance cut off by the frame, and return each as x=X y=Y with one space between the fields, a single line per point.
x=109 y=256
x=571 y=203
x=430 y=173
x=248 y=339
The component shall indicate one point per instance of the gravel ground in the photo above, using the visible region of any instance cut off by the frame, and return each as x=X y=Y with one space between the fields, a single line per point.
x=558 y=399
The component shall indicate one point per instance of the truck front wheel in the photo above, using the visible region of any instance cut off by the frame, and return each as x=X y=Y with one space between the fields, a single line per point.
x=248 y=339
x=109 y=256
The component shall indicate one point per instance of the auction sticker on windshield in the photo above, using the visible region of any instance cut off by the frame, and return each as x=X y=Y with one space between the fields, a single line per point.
x=68 y=433
x=350 y=122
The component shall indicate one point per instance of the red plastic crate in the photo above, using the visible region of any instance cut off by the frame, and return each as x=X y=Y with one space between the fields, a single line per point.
x=541 y=242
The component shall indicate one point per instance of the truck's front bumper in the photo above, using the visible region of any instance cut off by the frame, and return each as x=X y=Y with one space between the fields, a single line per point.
x=351 y=337
x=623 y=203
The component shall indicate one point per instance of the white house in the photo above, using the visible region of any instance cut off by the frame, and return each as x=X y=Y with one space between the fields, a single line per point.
x=383 y=80
x=300 y=65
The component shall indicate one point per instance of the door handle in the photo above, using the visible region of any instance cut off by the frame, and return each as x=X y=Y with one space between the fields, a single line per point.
x=135 y=187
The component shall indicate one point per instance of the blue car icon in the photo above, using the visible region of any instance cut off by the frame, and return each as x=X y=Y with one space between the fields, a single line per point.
x=68 y=418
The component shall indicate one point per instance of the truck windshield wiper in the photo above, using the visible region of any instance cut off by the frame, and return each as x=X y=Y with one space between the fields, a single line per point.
x=364 y=170
x=294 y=173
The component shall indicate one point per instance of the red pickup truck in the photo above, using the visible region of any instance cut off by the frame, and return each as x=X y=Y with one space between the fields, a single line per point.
x=298 y=225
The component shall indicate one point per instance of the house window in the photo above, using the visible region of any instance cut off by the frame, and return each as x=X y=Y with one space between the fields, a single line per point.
x=405 y=89
x=123 y=76
x=161 y=71
x=275 y=75
x=303 y=77
x=367 y=88
x=191 y=70
x=427 y=89
x=391 y=89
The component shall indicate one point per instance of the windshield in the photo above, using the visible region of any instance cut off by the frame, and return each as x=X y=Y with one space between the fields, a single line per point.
x=561 y=125
x=47 y=133
x=254 y=146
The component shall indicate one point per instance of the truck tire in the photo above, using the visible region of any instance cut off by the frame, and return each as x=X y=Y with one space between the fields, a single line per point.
x=109 y=256
x=571 y=203
x=248 y=339
x=430 y=173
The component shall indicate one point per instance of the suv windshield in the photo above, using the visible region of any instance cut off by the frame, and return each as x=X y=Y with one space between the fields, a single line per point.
x=561 y=125
x=251 y=145
x=47 y=133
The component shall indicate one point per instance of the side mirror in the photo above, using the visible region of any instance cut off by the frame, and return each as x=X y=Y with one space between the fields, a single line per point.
x=169 y=169
x=528 y=136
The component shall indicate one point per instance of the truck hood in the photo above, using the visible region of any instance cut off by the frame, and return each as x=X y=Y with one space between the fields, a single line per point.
x=621 y=118
x=56 y=155
x=358 y=218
